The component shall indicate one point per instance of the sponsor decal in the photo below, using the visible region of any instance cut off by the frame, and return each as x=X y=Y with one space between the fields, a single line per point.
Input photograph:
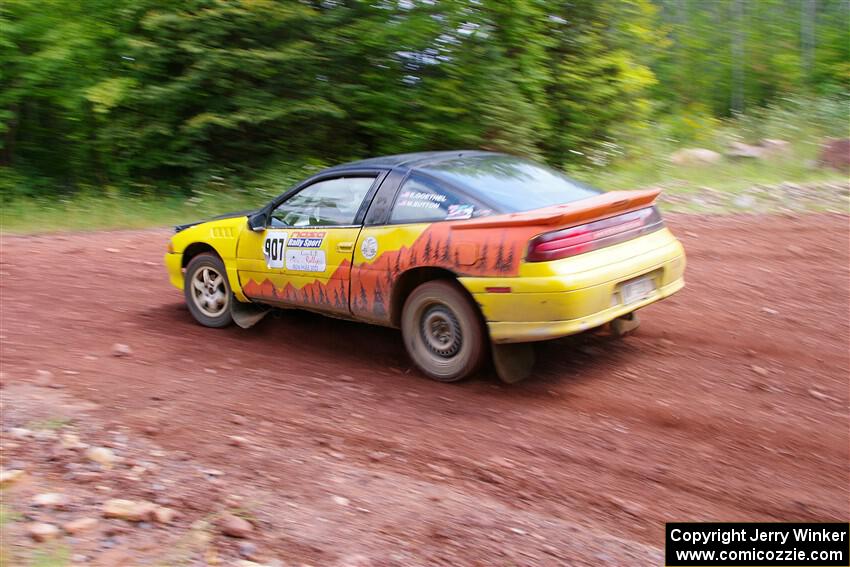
x=306 y=239
x=420 y=200
x=459 y=212
x=273 y=248
x=369 y=247
x=300 y=260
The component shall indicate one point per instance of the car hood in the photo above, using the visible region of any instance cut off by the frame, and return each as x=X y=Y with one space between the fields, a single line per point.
x=232 y=215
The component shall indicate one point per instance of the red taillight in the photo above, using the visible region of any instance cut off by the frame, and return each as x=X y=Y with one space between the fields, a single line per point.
x=593 y=235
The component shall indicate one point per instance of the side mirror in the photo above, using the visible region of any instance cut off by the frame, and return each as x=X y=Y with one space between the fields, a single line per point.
x=257 y=222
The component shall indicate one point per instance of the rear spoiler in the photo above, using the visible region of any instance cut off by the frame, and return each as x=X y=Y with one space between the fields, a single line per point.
x=569 y=214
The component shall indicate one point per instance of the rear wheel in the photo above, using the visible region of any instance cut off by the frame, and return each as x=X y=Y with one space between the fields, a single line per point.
x=207 y=291
x=442 y=331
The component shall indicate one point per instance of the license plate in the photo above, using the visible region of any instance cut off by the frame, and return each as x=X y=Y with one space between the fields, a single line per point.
x=637 y=290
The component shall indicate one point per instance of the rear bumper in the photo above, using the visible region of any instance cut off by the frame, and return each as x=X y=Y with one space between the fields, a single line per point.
x=578 y=293
x=528 y=331
x=174 y=266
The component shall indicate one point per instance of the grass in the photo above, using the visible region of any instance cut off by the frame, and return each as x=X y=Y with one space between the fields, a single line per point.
x=89 y=212
x=54 y=555
x=646 y=165
x=52 y=424
x=727 y=176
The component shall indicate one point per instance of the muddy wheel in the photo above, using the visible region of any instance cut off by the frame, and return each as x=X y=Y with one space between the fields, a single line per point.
x=207 y=291
x=443 y=331
x=513 y=362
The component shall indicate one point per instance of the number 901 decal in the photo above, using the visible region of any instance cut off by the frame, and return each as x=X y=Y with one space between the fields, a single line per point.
x=273 y=249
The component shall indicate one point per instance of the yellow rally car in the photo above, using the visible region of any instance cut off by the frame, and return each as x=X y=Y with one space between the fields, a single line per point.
x=467 y=252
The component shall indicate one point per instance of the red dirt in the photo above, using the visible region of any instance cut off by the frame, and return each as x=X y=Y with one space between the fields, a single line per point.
x=731 y=403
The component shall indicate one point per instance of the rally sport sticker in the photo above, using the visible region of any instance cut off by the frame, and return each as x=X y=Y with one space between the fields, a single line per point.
x=369 y=247
x=273 y=248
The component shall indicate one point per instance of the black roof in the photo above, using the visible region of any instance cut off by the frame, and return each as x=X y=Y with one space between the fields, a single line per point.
x=407 y=161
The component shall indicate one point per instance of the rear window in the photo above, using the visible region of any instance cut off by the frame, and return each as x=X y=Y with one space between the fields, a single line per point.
x=424 y=199
x=509 y=183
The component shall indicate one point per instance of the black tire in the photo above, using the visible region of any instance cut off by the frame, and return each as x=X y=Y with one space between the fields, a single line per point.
x=443 y=331
x=208 y=299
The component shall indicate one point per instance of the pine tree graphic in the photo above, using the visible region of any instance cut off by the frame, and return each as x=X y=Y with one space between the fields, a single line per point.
x=427 y=252
x=413 y=260
x=444 y=257
x=484 y=251
x=378 y=307
x=364 y=300
x=509 y=261
x=397 y=268
x=457 y=259
x=336 y=298
x=500 y=257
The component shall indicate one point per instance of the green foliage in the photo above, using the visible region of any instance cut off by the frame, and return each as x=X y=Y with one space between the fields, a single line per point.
x=167 y=97
x=731 y=56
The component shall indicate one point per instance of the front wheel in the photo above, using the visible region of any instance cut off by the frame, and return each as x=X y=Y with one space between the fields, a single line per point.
x=443 y=332
x=207 y=291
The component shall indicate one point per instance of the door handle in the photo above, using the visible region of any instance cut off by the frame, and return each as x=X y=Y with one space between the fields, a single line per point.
x=345 y=247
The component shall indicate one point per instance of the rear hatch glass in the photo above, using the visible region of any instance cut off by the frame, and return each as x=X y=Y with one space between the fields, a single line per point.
x=510 y=184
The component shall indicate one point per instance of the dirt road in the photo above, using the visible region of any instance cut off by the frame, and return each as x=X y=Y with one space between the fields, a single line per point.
x=731 y=403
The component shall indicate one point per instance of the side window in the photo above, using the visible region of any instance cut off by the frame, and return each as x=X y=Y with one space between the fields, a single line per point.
x=333 y=202
x=422 y=199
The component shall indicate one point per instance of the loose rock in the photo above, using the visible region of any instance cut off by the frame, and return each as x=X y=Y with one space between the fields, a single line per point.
x=40 y=531
x=818 y=395
x=247 y=550
x=835 y=153
x=101 y=455
x=20 y=433
x=164 y=515
x=129 y=510
x=761 y=371
x=71 y=441
x=120 y=349
x=376 y=456
x=55 y=500
x=237 y=440
x=43 y=377
x=10 y=477
x=80 y=525
x=742 y=150
x=234 y=526
x=695 y=156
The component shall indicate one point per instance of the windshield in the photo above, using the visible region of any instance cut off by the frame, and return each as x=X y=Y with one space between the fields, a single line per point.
x=510 y=183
